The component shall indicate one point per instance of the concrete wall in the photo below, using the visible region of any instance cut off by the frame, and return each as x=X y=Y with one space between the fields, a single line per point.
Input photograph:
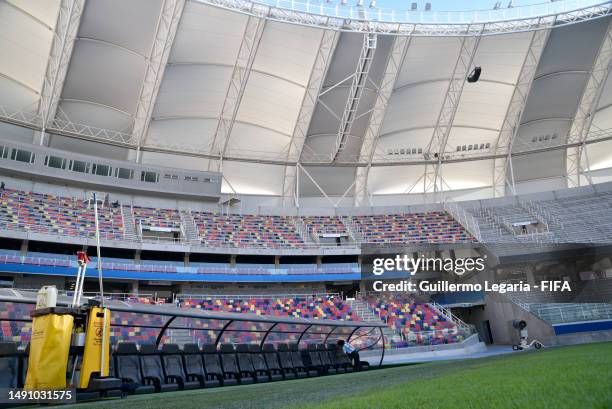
x=500 y=312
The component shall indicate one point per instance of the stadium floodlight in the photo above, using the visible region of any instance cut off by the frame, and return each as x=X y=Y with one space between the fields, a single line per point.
x=359 y=3
x=474 y=75
x=372 y=4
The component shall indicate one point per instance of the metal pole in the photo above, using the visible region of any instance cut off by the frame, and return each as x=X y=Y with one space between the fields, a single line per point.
x=261 y=344
x=163 y=330
x=79 y=289
x=76 y=286
x=382 y=356
x=100 y=282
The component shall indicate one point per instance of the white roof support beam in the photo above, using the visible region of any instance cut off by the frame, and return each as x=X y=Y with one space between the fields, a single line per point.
x=358 y=83
x=586 y=111
x=66 y=29
x=169 y=18
x=437 y=144
x=328 y=43
x=502 y=167
x=240 y=76
x=368 y=147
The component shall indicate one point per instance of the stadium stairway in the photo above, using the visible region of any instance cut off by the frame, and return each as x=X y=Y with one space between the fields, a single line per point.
x=129 y=224
x=362 y=309
x=190 y=230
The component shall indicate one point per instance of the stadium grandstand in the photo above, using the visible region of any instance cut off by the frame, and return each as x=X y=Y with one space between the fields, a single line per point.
x=213 y=193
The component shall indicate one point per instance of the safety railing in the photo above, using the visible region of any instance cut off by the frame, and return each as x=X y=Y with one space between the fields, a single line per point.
x=187 y=296
x=571 y=312
x=340 y=9
x=213 y=268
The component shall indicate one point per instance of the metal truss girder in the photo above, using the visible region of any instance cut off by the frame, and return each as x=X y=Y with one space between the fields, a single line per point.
x=358 y=83
x=31 y=120
x=368 y=147
x=327 y=45
x=586 y=110
x=169 y=18
x=240 y=75
x=512 y=120
x=438 y=142
x=64 y=35
x=337 y=19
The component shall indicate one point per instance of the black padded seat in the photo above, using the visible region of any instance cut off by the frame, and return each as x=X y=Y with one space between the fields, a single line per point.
x=231 y=364
x=152 y=368
x=330 y=367
x=9 y=365
x=296 y=358
x=127 y=368
x=286 y=363
x=261 y=368
x=339 y=357
x=312 y=359
x=194 y=367
x=212 y=365
x=273 y=364
x=174 y=367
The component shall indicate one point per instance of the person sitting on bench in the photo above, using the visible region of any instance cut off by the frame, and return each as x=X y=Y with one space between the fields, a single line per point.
x=351 y=352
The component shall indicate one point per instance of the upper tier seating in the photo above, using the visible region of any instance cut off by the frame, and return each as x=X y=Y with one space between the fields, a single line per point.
x=432 y=227
x=56 y=215
x=72 y=217
x=156 y=217
x=318 y=225
x=218 y=230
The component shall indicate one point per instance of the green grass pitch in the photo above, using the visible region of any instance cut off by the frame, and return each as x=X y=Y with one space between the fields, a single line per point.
x=556 y=378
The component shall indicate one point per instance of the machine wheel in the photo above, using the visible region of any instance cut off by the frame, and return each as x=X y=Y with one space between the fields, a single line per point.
x=537 y=345
x=515 y=347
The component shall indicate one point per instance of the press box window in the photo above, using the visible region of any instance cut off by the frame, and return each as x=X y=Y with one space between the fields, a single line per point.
x=191 y=178
x=4 y=152
x=55 y=162
x=150 y=177
x=22 y=156
x=79 y=166
x=101 y=170
x=123 y=173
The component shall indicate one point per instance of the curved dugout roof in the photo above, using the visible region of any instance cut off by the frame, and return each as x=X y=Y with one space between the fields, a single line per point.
x=302 y=104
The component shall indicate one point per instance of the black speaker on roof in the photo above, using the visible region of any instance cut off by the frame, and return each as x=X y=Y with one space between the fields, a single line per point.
x=474 y=75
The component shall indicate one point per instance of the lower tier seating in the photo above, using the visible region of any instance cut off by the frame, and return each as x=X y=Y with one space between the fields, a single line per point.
x=311 y=307
x=418 y=323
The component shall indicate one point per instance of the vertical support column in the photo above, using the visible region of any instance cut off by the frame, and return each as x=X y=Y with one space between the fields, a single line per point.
x=501 y=166
x=432 y=180
x=23 y=250
x=240 y=75
x=329 y=40
x=586 y=111
x=171 y=13
x=66 y=28
x=358 y=83
x=368 y=147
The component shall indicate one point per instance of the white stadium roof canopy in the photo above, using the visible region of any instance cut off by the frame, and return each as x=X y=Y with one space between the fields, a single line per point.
x=318 y=99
